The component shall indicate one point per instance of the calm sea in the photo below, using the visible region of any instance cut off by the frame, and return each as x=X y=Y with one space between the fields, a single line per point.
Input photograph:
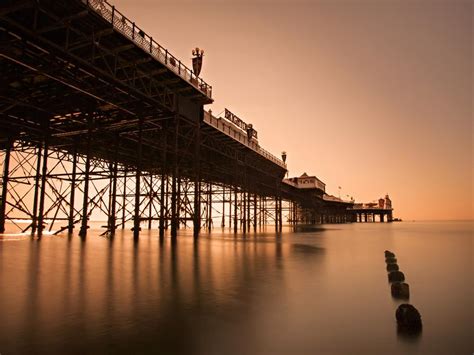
x=312 y=291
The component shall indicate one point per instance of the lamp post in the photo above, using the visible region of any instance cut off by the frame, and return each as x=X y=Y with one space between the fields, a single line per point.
x=197 y=60
x=283 y=157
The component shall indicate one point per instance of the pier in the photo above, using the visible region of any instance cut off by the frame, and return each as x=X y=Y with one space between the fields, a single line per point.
x=368 y=212
x=96 y=117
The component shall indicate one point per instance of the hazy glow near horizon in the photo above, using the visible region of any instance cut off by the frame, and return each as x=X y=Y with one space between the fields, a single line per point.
x=372 y=96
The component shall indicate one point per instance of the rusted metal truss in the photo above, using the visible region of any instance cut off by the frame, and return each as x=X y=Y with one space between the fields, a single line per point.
x=94 y=125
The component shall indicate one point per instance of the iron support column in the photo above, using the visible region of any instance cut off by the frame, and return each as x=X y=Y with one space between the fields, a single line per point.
x=34 y=217
x=85 y=201
x=254 y=212
x=150 y=210
x=223 y=207
x=162 y=187
x=174 y=197
x=209 y=207
x=70 y=225
x=124 y=197
x=138 y=175
x=197 y=180
x=230 y=206
x=43 y=188
x=6 y=170
x=113 y=197
x=249 y=208
x=178 y=202
x=244 y=210
x=235 y=209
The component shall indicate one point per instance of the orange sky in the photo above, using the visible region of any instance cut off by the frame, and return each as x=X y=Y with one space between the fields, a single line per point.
x=373 y=96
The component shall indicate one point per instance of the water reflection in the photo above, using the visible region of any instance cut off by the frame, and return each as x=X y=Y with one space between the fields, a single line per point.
x=260 y=294
x=409 y=337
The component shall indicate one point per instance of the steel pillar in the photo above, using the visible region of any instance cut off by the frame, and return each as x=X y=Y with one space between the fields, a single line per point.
x=178 y=202
x=174 y=182
x=85 y=201
x=6 y=170
x=230 y=206
x=113 y=198
x=197 y=180
x=223 y=207
x=34 y=217
x=244 y=212
x=209 y=209
x=280 y=215
x=254 y=212
x=138 y=175
x=124 y=197
x=43 y=188
x=70 y=226
x=249 y=211
x=235 y=209
x=162 y=187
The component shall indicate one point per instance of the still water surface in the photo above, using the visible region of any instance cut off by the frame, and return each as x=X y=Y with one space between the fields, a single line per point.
x=314 y=291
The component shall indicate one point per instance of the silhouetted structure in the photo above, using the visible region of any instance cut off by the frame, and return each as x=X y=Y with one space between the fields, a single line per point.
x=96 y=116
x=367 y=212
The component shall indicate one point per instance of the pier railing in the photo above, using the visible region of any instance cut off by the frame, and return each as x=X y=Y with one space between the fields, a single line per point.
x=128 y=28
x=232 y=131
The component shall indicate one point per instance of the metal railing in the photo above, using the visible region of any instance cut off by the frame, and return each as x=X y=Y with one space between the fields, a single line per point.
x=335 y=199
x=230 y=130
x=365 y=207
x=128 y=28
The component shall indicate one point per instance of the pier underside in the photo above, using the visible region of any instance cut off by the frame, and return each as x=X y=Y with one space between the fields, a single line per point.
x=97 y=119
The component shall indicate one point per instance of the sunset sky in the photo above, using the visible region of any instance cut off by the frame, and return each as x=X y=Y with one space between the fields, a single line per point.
x=373 y=96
